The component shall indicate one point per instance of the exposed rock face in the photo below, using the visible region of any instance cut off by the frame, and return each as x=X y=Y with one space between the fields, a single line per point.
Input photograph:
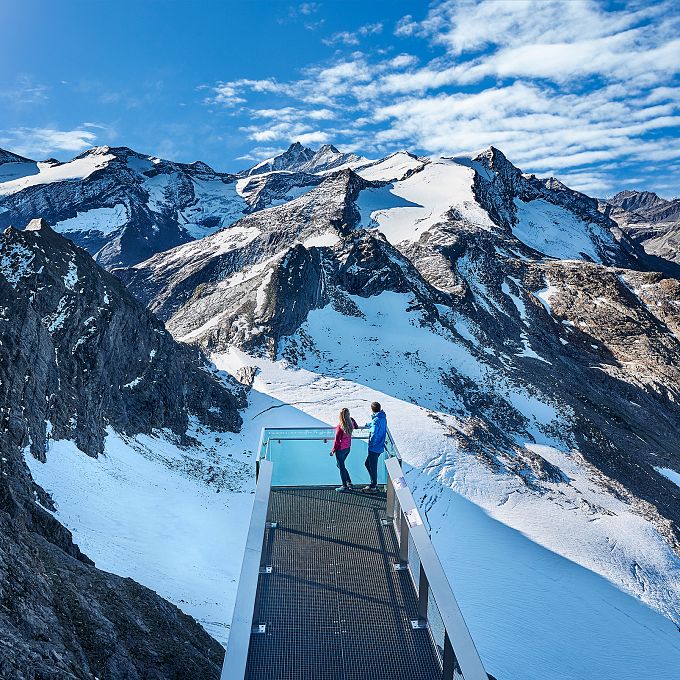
x=169 y=279
x=651 y=222
x=273 y=188
x=102 y=358
x=62 y=618
x=78 y=355
x=9 y=158
x=501 y=183
x=647 y=204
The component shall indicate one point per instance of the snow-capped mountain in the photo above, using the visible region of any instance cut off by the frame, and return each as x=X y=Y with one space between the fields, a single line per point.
x=123 y=206
x=528 y=357
x=120 y=205
x=85 y=368
x=299 y=158
x=650 y=221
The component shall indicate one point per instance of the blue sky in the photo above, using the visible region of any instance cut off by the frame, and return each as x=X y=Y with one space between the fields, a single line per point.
x=586 y=91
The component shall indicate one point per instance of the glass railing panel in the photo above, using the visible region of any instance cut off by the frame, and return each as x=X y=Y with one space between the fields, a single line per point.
x=390 y=446
x=306 y=461
x=413 y=561
x=436 y=623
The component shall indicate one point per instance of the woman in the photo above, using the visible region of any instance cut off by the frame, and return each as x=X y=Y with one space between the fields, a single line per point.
x=341 y=446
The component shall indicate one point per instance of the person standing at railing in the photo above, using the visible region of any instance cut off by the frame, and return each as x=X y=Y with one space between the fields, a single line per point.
x=376 y=444
x=342 y=445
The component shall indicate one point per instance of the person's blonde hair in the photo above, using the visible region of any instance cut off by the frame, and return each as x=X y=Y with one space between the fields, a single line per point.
x=346 y=421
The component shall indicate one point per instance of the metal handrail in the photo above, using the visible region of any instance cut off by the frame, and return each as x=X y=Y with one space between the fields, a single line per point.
x=459 y=651
x=265 y=430
x=236 y=657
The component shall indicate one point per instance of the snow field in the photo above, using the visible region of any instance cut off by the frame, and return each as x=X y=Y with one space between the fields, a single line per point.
x=146 y=510
x=103 y=220
x=404 y=210
x=78 y=168
x=556 y=232
x=544 y=580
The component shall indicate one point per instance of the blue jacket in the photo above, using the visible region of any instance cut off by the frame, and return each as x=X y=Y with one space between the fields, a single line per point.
x=378 y=432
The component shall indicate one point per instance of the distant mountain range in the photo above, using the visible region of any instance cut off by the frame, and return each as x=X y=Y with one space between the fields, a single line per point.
x=650 y=221
x=523 y=336
x=123 y=206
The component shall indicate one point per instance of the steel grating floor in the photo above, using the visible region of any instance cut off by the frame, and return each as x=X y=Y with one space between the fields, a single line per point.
x=333 y=605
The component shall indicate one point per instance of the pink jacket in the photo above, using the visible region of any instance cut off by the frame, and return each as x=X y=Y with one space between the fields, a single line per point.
x=342 y=439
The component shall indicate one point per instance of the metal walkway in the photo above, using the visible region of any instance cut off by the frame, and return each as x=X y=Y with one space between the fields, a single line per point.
x=341 y=586
x=334 y=606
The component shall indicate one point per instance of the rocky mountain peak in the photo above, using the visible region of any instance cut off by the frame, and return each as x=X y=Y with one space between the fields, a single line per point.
x=201 y=167
x=495 y=161
x=9 y=157
x=327 y=148
x=636 y=201
x=299 y=158
x=115 y=364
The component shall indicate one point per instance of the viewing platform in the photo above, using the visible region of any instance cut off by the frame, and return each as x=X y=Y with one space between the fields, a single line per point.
x=341 y=586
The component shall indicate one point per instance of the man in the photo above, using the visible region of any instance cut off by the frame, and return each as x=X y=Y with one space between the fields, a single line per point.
x=376 y=444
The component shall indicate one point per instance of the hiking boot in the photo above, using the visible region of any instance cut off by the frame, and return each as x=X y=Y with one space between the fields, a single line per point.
x=342 y=489
x=370 y=489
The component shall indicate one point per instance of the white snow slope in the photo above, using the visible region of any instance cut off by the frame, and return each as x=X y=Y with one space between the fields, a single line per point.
x=77 y=169
x=406 y=208
x=529 y=570
x=148 y=510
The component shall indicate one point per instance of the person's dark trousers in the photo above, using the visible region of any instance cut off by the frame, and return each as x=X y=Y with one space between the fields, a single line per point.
x=372 y=467
x=340 y=458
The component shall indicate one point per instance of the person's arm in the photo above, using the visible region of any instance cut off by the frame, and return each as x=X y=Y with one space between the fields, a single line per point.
x=371 y=432
x=336 y=442
x=354 y=424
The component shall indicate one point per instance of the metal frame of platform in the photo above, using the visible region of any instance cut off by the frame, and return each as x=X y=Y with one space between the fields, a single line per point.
x=344 y=587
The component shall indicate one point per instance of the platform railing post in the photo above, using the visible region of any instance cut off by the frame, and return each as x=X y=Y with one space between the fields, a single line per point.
x=403 y=538
x=390 y=498
x=449 y=659
x=423 y=595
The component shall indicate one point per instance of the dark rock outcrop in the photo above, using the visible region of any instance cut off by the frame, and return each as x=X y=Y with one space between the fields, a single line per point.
x=299 y=158
x=652 y=223
x=101 y=359
x=70 y=337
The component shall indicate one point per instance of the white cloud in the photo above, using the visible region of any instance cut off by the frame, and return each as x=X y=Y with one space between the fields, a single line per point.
x=25 y=91
x=405 y=27
x=316 y=137
x=468 y=26
x=42 y=142
x=403 y=60
x=353 y=37
x=574 y=87
x=344 y=37
x=592 y=183
x=307 y=8
x=259 y=153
